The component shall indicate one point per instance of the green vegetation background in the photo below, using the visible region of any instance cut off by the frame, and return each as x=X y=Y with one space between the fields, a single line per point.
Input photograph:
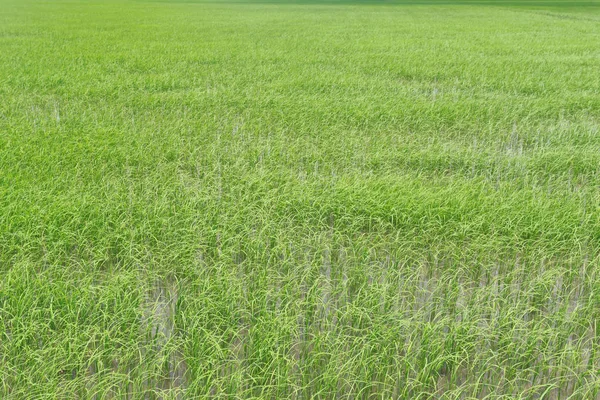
x=299 y=200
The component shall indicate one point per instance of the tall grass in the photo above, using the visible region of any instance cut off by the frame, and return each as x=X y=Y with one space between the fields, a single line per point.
x=299 y=200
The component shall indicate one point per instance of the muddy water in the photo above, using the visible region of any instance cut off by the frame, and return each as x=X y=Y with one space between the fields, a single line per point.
x=159 y=322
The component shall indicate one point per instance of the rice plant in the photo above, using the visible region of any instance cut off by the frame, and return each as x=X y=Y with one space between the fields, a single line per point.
x=303 y=200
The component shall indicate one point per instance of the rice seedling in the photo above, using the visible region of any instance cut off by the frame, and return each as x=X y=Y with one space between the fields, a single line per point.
x=304 y=200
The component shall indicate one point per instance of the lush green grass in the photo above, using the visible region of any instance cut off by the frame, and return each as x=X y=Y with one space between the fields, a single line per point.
x=299 y=200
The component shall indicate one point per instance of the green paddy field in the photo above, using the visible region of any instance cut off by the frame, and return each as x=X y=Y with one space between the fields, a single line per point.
x=299 y=200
